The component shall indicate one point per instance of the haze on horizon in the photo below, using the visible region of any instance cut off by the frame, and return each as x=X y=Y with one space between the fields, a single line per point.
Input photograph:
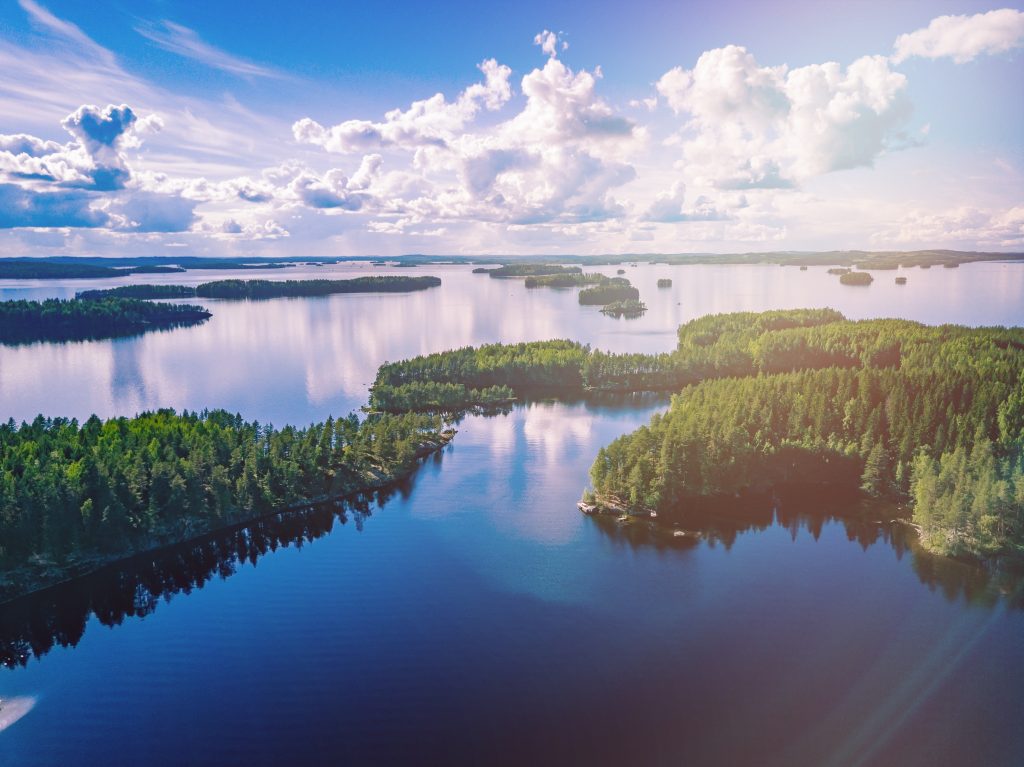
x=714 y=127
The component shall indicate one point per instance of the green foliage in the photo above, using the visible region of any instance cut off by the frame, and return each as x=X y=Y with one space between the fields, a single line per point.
x=528 y=270
x=628 y=308
x=113 y=485
x=436 y=397
x=856 y=278
x=139 y=291
x=56 y=319
x=555 y=364
x=609 y=292
x=297 y=288
x=888 y=406
x=565 y=280
x=31 y=269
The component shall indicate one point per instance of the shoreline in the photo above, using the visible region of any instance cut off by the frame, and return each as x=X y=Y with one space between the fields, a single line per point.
x=34 y=578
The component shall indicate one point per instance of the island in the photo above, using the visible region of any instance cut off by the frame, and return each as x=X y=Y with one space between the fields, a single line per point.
x=138 y=291
x=630 y=308
x=255 y=289
x=930 y=419
x=664 y=282
x=856 y=278
x=609 y=292
x=64 y=320
x=901 y=280
x=529 y=270
x=565 y=280
x=75 y=496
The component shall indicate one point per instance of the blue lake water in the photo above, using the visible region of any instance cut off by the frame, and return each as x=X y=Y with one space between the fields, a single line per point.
x=475 y=617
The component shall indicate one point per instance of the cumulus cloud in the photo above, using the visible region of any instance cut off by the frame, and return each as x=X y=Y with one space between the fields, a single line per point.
x=963 y=38
x=550 y=42
x=87 y=182
x=430 y=122
x=21 y=207
x=958 y=226
x=669 y=208
x=751 y=126
x=257 y=230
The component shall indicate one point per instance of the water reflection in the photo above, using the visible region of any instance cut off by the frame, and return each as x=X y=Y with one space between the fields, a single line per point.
x=57 y=617
x=723 y=524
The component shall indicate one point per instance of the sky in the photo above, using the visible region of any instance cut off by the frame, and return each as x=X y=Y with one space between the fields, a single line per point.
x=154 y=127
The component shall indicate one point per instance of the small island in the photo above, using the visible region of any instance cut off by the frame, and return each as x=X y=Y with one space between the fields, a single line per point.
x=609 y=292
x=565 y=280
x=64 y=320
x=856 y=278
x=528 y=270
x=839 y=270
x=256 y=289
x=901 y=280
x=138 y=291
x=664 y=282
x=630 y=308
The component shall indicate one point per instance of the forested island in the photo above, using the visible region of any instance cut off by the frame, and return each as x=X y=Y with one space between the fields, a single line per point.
x=933 y=416
x=664 y=282
x=629 y=308
x=565 y=280
x=856 y=278
x=61 y=320
x=928 y=416
x=609 y=292
x=74 y=496
x=529 y=270
x=253 y=289
x=138 y=291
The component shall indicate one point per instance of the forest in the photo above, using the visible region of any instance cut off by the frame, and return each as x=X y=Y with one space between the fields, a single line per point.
x=856 y=278
x=56 y=319
x=73 y=493
x=305 y=288
x=616 y=289
x=244 y=289
x=932 y=416
x=138 y=291
x=629 y=308
x=529 y=270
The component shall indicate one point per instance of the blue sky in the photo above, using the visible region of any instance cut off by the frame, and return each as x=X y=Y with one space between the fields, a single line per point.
x=323 y=128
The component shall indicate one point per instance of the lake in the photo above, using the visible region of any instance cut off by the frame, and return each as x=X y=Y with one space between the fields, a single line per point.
x=474 y=616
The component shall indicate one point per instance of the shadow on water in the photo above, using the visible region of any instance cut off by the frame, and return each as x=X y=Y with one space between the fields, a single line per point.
x=866 y=522
x=21 y=336
x=35 y=624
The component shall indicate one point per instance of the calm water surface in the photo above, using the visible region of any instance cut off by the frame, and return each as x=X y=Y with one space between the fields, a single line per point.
x=475 y=617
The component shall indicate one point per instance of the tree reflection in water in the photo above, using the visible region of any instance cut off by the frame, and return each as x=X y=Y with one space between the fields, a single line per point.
x=867 y=523
x=35 y=624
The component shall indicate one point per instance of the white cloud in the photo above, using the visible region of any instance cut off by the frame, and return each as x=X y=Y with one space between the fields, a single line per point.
x=961 y=226
x=669 y=208
x=751 y=126
x=430 y=122
x=550 y=42
x=963 y=38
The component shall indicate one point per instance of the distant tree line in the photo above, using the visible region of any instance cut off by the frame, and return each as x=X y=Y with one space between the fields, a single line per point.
x=57 y=319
